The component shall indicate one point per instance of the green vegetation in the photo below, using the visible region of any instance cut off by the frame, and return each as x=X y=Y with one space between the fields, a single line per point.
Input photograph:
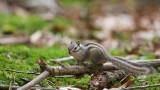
x=148 y=80
x=21 y=24
x=71 y=2
x=30 y=24
x=24 y=58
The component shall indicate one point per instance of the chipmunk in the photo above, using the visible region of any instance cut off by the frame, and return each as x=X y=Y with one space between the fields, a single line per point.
x=96 y=55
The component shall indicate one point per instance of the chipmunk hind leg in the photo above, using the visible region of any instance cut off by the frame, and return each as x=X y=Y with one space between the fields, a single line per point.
x=97 y=57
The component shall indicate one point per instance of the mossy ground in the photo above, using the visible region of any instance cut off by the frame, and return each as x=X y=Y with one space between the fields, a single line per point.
x=24 y=58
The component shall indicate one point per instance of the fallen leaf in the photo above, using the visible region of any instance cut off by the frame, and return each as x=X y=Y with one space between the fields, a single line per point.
x=124 y=80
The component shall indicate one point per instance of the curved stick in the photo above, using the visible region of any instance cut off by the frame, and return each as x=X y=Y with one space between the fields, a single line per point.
x=38 y=79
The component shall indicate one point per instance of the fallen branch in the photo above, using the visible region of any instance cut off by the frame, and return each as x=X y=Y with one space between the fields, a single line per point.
x=141 y=87
x=22 y=72
x=38 y=79
x=132 y=60
x=105 y=79
x=74 y=70
x=6 y=87
x=64 y=76
x=62 y=59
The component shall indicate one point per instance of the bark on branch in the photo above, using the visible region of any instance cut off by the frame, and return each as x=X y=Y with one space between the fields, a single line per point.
x=105 y=79
x=76 y=69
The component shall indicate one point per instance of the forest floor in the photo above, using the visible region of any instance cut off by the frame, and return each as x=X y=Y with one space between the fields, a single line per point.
x=24 y=57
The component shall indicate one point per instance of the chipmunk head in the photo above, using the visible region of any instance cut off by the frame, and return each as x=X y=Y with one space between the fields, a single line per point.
x=73 y=47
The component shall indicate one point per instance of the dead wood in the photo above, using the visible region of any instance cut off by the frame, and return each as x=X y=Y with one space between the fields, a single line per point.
x=142 y=87
x=105 y=79
x=74 y=70
x=62 y=59
x=6 y=87
x=11 y=70
x=38 y=79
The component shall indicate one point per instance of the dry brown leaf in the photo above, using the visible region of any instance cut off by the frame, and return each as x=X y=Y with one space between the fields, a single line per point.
x=127 y=84
x=124 y=80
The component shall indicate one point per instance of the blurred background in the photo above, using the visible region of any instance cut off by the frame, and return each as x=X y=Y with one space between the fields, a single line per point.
x=131 y=27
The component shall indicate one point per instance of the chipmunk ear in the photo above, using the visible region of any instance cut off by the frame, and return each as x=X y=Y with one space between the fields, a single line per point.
x=78 y=42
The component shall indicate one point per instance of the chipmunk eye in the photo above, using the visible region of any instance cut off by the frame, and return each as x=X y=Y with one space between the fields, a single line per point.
x=75 y=48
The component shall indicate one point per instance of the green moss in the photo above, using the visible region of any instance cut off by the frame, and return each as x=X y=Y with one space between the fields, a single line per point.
x=148 y=80
x=115 y=52
x=20 y=24
x=16 y=24
x=71 y=2
x=24 y=58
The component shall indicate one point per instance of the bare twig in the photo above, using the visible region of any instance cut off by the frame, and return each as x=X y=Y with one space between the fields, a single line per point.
x=62 y=59
x=38 y=79
x=21 y=71
x=6 y=87
x=141 y=87
x=10 y=88
x=64 y=76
